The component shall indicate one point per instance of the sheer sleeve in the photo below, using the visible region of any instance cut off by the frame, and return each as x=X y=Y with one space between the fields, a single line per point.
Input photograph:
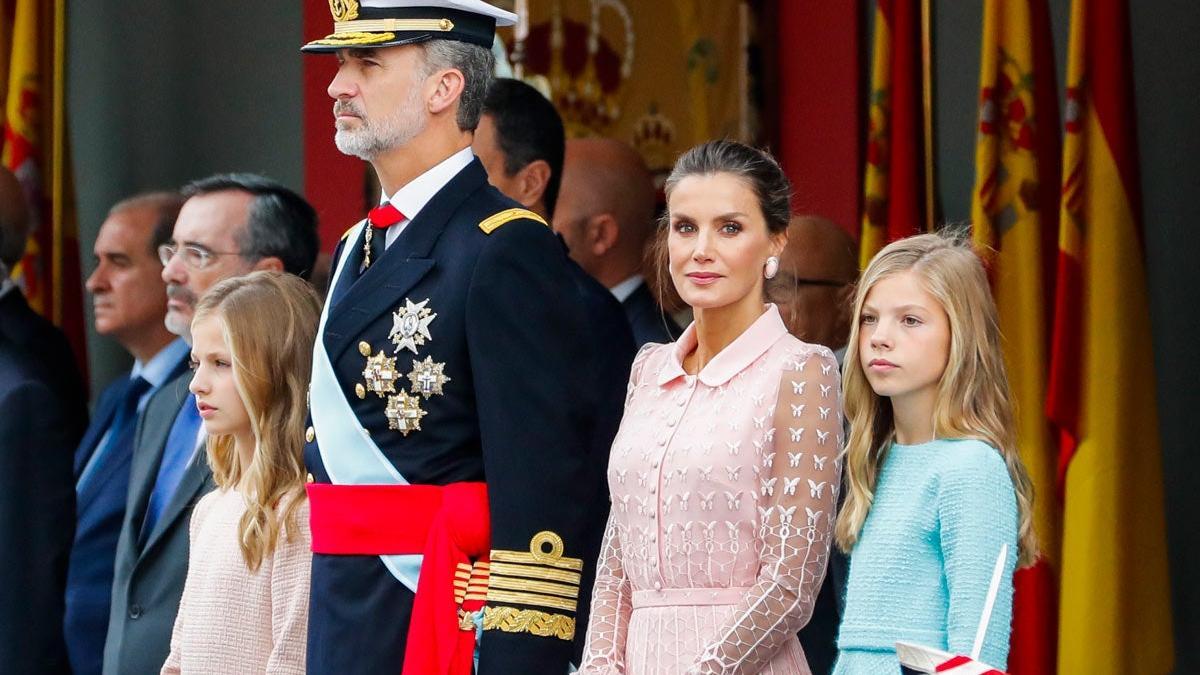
x=798 y=498
x=612 y=597
x=604 y=650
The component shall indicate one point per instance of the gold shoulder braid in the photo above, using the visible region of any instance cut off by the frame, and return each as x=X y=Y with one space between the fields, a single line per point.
x=540 y=577
x=492 y=223
x=350 y=229
x=352 y=39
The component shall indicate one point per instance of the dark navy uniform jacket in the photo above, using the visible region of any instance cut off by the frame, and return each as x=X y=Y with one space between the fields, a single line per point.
x=511 y=332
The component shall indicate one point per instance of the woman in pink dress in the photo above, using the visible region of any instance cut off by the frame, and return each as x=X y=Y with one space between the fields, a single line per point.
x=725 y=471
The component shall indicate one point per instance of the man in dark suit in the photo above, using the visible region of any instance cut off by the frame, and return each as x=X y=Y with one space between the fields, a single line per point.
x=229 y=225
x=42 y=413
x=520 y=142
x=129 y=301
x=449 y=435
x=37 y=336
x=606 y=216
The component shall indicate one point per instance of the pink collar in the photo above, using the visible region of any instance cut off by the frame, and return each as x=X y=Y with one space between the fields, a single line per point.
x=733 y=359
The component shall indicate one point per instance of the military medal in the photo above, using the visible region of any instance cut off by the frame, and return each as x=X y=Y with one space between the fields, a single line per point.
x=380 y=374
x=410 y=325
x=404 y=413
x=427 y=377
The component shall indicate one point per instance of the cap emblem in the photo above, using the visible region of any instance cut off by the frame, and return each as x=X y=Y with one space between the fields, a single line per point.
x=344 y=10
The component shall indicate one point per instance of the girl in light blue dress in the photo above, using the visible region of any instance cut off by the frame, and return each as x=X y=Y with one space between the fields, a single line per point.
x=935 y=487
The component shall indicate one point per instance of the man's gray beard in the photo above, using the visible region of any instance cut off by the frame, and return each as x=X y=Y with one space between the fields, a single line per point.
x=373 y=139
x=177 y=326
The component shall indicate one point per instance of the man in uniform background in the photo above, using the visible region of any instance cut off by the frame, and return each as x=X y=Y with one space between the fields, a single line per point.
x=449 y=355
x=520 y=141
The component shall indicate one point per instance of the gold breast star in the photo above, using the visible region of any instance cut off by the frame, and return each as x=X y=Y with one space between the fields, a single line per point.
x=404 y=413
x=381 y=374
x=410 y=325
x=427 y=377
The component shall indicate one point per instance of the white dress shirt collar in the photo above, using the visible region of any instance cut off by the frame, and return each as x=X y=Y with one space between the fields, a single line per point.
x=413 y=197
x=159 y=367
x=626 y=288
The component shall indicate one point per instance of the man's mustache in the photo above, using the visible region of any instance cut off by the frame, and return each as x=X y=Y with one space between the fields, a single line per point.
x=181 y=293
x=347 y=108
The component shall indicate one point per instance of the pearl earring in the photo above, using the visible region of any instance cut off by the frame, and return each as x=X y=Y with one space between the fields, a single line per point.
x=772 y=268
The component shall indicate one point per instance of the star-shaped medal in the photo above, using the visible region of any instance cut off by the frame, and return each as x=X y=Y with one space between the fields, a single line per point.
x=381 y=374
x=427 y=377
x=404 y=413
x=410 y=325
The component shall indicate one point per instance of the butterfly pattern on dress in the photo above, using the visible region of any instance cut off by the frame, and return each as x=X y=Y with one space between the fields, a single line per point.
x=738 y=506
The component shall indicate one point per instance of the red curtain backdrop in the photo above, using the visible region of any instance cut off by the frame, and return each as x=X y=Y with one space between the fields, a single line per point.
x=819 y=115
x=333 y=182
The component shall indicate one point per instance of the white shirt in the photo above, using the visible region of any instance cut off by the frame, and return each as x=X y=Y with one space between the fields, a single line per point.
x=410 y=199
x=626 y=288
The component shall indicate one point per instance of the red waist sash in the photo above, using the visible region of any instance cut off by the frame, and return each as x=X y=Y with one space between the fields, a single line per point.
x=448 y=525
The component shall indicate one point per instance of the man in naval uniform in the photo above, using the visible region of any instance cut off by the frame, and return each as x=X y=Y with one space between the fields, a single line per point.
x=447 y=448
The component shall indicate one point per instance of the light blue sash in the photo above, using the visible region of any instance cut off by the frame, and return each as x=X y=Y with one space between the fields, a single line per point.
x=347 y=451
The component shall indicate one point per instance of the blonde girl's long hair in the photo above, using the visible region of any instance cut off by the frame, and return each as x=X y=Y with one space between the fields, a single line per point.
x=973 y=397
x=269 y=320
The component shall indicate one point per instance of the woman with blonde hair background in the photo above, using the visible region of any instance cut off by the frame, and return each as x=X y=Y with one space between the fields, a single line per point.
x=935 y=487
x=724 y=473
x=245 y=602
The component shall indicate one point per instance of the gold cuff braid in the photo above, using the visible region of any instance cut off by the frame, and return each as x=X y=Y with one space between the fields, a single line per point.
x=513 y=620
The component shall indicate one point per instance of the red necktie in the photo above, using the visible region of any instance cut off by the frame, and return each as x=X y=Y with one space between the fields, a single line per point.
x=384 y=216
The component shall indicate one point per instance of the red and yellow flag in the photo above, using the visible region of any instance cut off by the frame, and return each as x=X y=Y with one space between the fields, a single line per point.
x=34 y=149
x=1014 y=217
x=893 y=182
x=1115 y=604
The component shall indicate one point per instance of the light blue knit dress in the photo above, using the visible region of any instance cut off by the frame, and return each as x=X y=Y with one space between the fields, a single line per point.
x=921 y=568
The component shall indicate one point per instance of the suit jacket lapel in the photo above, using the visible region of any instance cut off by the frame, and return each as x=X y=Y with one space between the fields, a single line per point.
x=105 y=412
x=149 y=443
x=190 y=484
x=404 y=264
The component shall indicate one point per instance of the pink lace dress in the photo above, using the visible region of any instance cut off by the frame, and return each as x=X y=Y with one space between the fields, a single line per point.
x=724 y=486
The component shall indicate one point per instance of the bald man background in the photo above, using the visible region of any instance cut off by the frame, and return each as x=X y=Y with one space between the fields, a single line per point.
x=816 y=274
x=606 y=215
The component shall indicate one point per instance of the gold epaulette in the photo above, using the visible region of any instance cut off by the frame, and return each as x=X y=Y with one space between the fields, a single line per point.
x=492 y=223
x=535 y=578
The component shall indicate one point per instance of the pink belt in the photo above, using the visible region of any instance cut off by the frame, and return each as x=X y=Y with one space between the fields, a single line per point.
x=673 y=597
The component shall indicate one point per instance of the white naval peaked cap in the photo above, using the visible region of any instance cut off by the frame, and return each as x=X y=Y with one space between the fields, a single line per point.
x=502 y=17
x=388 y=23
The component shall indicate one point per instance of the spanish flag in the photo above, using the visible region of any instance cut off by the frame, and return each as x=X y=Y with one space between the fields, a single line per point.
x=1014 y=219
x=1115 y=612
x=32 y=41
x=893 y=204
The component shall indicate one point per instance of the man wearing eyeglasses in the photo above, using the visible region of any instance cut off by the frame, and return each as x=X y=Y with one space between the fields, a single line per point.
x=230 y=225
